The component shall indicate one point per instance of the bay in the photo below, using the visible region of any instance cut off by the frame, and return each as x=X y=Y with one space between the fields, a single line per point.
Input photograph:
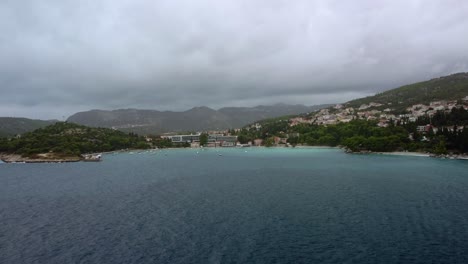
x=249 y=205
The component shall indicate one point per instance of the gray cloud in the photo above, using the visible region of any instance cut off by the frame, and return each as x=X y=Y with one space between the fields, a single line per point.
x=62 y=56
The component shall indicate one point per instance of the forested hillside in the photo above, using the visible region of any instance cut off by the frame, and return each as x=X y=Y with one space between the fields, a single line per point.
x=70 y=139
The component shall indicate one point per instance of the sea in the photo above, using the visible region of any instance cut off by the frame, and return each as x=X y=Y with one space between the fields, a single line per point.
x=236 y=205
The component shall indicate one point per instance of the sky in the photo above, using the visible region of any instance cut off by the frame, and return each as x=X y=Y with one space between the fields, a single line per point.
x=58 y=57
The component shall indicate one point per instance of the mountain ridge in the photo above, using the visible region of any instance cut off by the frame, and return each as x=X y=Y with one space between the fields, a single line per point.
x=450 y=87
x=148 y=121
x=11 y=126
x=145 y=121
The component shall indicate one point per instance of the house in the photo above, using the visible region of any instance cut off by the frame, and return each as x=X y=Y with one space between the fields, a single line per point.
x=221 y=140
x=258 y=142
x=276 y=140
x=184 y=138
x=421 y=129
x=363 y=107
x=338 y=106
x=424 y=129
x=349 y=110
x=228 y=144
x=298 y=120
x=257 y=126
x=382 y=124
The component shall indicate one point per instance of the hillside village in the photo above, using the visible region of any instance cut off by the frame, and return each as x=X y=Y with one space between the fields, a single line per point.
x=384 y=114
x=437 y=127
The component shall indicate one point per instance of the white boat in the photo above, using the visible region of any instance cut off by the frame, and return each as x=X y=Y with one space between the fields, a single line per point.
x=92 y=157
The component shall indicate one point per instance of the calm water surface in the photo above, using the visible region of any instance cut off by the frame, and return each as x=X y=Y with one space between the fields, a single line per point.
x=236 y=206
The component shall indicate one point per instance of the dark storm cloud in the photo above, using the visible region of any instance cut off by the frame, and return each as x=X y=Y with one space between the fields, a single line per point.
x=58 y=57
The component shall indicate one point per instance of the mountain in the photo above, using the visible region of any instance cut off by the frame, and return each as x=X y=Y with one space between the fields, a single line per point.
x=10 y=126
x=451 y=87
x=240 y=116
x=195 y=119
x=414 y=101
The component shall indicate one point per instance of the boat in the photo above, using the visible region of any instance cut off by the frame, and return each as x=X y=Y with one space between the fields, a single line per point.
x=92 y=158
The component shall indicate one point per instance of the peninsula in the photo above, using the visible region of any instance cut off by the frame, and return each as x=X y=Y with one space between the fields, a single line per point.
x=66 y=142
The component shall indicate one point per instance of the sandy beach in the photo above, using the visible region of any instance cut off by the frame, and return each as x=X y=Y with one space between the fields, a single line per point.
x=402 y=153
x=421 y=154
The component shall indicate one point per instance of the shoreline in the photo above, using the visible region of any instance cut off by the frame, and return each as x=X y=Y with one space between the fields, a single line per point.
x=415 y=154
x=401 y=153
x=16 y=158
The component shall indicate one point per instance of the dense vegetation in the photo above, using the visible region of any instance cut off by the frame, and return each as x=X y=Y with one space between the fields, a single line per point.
x=348 y=134
x=362 y=135
x=71 y=139
x=458 y=116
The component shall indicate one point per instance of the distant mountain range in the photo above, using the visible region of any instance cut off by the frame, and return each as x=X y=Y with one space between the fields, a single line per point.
x=10 y=126
x=195 y=119
x=452 y=87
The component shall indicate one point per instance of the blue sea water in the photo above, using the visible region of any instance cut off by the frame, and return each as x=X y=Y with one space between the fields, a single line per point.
x=249 y=205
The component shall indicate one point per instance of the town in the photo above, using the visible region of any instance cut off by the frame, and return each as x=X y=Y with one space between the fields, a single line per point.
x=382 y=115
x=374 y=112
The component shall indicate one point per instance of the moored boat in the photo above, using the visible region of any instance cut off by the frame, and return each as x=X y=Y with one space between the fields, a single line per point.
x=92 y=158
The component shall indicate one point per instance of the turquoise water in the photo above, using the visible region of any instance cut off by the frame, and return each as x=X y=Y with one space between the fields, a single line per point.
x=249 y=205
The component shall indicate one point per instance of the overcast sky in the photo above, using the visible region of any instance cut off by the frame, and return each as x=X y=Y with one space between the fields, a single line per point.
x=58 y=57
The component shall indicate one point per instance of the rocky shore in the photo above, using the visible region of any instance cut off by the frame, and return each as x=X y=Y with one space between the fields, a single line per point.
x=451 y=156
x=41 y=158
x=415 y=154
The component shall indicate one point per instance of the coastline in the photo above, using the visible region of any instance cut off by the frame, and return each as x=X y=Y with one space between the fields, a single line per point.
x=16 y=158
x=414 y=154
x=402 y=153
x=45 y=158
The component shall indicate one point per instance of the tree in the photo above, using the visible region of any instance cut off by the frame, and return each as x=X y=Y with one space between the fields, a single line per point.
x=203 y=139
x=269 y=142
x=243 y=139
x=440 y=147
x=293 y=140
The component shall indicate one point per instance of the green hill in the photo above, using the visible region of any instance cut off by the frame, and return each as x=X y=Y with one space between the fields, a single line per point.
x=367 y=132
x=71 y=139
x=11 y=126
x=452 y=87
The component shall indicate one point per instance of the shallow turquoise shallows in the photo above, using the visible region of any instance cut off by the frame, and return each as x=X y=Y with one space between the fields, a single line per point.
x=249 y=205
